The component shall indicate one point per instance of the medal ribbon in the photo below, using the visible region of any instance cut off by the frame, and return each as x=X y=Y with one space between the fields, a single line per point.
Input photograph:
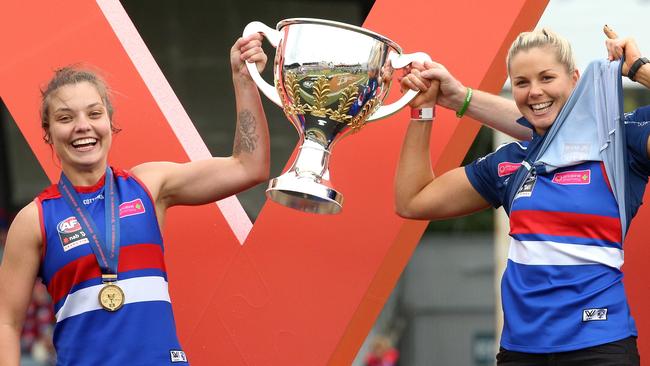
x=105 y=246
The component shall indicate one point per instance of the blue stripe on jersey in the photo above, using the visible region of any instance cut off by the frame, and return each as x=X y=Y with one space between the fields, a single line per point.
x=111 y=336
x=545 y=306
x=581 y=197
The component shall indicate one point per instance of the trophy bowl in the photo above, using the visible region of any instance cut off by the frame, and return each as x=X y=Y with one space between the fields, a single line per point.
x=330 y=80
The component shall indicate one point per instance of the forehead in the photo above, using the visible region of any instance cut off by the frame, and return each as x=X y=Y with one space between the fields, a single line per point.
x=74 y=96
x=535 y=59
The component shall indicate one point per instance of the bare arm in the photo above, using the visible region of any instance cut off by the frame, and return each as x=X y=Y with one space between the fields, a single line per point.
x=419 y=194
x=17 y=278
x=491 y=110
x=209 y=180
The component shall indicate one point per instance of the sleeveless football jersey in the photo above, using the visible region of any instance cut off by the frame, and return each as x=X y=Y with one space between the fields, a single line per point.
x=142 y=332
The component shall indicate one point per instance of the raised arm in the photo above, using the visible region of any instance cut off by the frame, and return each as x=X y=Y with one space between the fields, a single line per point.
x=419 y=194
x=619 y=47
x=17 y=278
x=209 y=180
x=491 y=110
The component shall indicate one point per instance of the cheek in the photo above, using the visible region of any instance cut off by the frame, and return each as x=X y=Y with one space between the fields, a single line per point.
x=520 y=98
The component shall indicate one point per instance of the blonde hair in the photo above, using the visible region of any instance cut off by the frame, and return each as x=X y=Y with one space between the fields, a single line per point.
x=543 y=38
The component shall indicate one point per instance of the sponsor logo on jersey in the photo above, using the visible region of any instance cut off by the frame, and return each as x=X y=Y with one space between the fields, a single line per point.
x=71 y=234
x=594 y=314
x=526 y=189
x=177 y=356
x=88 y=201
x=573 y=177
x=135 y=207
x=507 y=168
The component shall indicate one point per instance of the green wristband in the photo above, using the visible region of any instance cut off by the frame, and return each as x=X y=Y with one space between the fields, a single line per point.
x=468 y=98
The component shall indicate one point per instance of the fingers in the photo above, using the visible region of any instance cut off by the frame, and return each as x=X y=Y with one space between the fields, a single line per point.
x=615 y=48
x=413 y=81
x=609 y=32
x=426 y=98
x=245 y=43
x=434 y=74
x=253 y=54
x=250 y=48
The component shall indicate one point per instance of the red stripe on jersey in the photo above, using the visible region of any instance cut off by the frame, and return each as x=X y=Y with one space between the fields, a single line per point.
x=605 y=178
x=132 y=257
x=566 y=224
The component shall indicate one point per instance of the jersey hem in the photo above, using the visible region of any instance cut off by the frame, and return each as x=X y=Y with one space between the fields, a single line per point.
x=566 y=348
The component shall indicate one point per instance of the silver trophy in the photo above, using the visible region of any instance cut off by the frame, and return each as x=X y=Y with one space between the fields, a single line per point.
x=330 y=79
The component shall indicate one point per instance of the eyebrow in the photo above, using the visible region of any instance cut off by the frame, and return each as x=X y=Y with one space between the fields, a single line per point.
x=66 y=109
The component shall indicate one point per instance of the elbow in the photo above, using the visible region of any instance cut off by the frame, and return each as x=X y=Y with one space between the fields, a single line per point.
x=404 y=210
x=260 y=175
x=253 y=172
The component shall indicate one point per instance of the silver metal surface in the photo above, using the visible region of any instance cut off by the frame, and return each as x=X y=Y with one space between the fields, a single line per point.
x=330 y=78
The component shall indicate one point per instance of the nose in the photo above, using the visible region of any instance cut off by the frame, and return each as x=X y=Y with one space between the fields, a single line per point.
x=82 y=123
x=535 y=90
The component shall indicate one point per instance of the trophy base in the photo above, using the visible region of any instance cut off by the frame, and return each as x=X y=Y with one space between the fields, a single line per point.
x=304 y=194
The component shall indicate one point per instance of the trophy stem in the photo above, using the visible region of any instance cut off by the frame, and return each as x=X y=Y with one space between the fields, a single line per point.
x=306 y=185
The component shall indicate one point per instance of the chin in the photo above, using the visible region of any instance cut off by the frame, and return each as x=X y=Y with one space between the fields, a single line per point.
x=544 y=123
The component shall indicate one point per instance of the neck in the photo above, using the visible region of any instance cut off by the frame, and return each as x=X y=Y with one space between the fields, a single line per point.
x=84 y=178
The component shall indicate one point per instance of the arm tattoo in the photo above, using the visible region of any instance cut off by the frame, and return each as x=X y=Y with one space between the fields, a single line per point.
x=245 y=135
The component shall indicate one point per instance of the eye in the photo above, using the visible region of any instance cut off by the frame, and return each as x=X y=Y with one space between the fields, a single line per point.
x=64 y=118
x=521 y=83
x=95 y=114
x=548 y=78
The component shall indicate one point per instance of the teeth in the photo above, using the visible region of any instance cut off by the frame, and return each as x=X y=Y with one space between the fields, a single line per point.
x=85 y=141
x=541 y=105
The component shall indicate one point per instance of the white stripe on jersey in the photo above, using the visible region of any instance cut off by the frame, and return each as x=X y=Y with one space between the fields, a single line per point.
x=139 y=289
x=553 y=253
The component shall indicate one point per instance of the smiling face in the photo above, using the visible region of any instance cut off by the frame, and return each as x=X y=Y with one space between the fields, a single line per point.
x=79 y=127
x=541 y=85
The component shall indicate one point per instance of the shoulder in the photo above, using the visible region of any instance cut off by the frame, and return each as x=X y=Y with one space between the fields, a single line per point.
x=27 y=222
x=513 y=152
x=152 y=175
x=49 y=193
x=638 y=117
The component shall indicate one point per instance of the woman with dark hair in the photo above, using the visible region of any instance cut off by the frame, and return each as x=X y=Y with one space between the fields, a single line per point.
x=95 y=237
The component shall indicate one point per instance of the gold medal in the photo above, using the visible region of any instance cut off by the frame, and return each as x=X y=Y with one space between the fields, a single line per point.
x=111 y=297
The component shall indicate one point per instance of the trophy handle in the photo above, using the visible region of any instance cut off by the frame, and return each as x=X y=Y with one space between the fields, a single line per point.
x=399 y=61
x=274 y=38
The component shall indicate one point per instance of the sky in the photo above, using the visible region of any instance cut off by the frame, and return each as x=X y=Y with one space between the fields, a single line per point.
x=581 y=22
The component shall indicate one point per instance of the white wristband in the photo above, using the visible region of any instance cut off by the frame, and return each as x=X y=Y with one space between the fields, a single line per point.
x=423 y=114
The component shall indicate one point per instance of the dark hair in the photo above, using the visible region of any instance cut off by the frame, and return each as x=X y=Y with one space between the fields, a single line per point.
x=71 y=75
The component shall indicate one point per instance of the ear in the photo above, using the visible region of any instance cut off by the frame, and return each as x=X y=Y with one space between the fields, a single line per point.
x=575 y=75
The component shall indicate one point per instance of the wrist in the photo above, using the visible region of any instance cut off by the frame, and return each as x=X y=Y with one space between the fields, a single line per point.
x=424 y=114
x=636 y=66
x=460 y=112
x=240 y=79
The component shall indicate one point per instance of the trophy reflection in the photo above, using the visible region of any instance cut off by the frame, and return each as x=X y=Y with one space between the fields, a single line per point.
x=330 y=79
